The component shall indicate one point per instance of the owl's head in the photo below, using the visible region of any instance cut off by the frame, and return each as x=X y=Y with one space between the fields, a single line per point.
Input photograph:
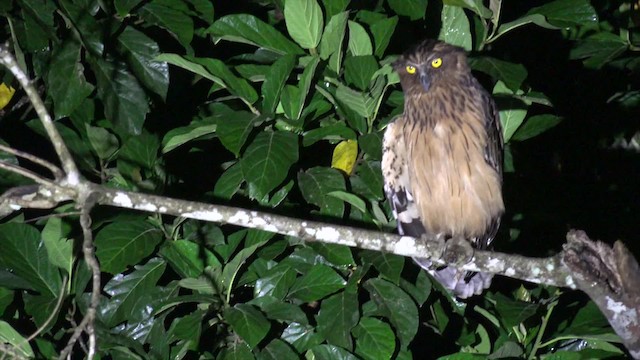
x=429 y=64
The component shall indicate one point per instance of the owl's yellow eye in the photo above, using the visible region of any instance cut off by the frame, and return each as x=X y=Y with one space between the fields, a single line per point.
x=436 y=62
x=411 y=69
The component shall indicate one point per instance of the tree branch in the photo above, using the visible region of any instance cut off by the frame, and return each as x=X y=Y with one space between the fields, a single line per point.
x=69 y=166
x=85 y=204
x=57 y=173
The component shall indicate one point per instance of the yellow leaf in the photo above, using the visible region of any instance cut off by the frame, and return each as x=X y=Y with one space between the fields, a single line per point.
x=344 y=156
x=6 y=93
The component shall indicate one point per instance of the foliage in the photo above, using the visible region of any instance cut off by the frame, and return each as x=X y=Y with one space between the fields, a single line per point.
x=280 y=106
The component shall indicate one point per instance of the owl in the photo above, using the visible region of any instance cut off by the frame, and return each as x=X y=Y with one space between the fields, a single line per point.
x=442 y=158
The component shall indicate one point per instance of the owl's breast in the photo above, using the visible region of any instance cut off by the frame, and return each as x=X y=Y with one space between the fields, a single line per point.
x=456 y=191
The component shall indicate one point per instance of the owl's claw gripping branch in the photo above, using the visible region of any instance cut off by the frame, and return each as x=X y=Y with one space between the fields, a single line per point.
x=458 y=251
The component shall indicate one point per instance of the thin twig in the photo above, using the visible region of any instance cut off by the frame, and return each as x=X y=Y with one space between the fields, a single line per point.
x=69 y=166
x=86 y=203
x=54 y=313
x=27 y=173
x=57 y=173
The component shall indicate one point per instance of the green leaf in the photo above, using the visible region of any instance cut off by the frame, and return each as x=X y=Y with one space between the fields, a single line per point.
x=253 y=72
x=278 y=350
x=337 y=316
x=333 y=7
x=24 y=254
x=359 y=41
x=333 y=36
x=140 y=151
x=368 y=181
x=59 y=249
x=104 y=143
x=358 y=70
x=315 y=185
x=382 y=31
x=361 y=103
x=196 y=68
x=234 y=129
x=170 y=15
x=204 y=8
x=374 y=339
x=187 y=327
x=267 y=159
x=8 y=335
x=511 y=119
x=389 y=265
x=397 y=306
x=274 y=81
x=231 y=268
x=229 y=182
x=599 y=49
x=126 y=291
x=586 y=321
x=248 y=323
x=476 y=6
x=512 y=113
x=123 y=7
x=351 y=199
x=251 y=30
x=338 y=255
x=36 y=29
x=420 y=287
x=182 y=135
x=225 y=78
x=125 y=243
x=6 y=298
x=237 y=351
x=125 y=102
x=512 y=312
x=455 y=27
x=511 y=74
x=330 y=352
x=301 y=336
x=338 y=131
x=40 y=308
x=319 y=282
x=566 y=13
x=414 y=9
x=187 y=258
x=293 y=102
x=67 y=84
x=140 y=52
x=280 y=310
x=537 y=19
x=276 y=282
x=304 y=22
x=535 y=126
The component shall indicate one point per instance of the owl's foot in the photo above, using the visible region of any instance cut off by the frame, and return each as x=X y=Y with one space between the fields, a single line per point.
x=458 y=251
x=437 y=248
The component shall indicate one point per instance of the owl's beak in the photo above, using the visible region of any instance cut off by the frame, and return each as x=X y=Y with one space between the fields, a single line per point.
x=425 y=80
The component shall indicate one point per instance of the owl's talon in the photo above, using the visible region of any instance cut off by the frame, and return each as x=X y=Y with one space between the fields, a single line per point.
x=458 y=251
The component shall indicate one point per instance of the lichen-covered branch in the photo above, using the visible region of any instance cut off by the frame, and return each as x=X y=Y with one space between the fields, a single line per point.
x=544 y=271
x=611 y=278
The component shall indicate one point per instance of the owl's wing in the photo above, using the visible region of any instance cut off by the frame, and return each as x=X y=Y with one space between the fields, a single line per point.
x=397 y=184
x=494 y=149
x=493 y=155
